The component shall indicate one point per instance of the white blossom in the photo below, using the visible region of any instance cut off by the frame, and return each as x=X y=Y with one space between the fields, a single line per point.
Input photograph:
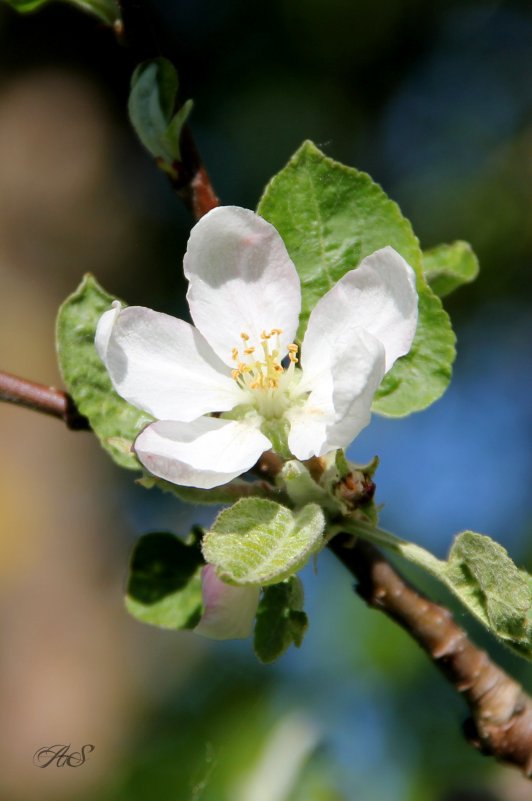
x=239 y=361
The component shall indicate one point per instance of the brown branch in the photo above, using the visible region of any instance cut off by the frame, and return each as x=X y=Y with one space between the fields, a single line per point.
x=501 y=712
x=41 y=398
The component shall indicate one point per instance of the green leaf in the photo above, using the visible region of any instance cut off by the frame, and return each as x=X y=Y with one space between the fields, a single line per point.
x=152 y=98
x=164 y=584
x=154 y=87
x=481 y=574
x=281 y=620
x=115 y=422
x=24 y=6
x=258 y=541
x=423 y=375
x=331 y=217
x=107 y=10
x=172 y=136
x=448 y=267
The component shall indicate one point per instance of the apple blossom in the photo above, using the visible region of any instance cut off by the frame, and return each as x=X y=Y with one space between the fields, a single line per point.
x=240 y=361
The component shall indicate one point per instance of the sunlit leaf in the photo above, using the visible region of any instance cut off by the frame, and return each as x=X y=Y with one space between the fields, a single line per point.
x=331 y=217
x=448 y=267
x=484 y=577
x=481 y=574
x=258 y=541
x=115 y=422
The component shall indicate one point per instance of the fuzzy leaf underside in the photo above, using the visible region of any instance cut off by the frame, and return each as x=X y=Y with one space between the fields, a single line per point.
x=483 y=577
x=258 y=541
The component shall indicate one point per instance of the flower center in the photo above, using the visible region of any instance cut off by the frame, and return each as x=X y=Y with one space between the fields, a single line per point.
x=261 y=375
x=269 y=389
x=261 y=371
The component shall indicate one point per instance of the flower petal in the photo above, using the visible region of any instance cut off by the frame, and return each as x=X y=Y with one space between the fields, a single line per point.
x=205 y=453
x=308 y=431
x=343 y=375
x=379 y=296
x=229 y=611
x=241 y=280
x=355 y=333
x=104 y=329
x=163 y=365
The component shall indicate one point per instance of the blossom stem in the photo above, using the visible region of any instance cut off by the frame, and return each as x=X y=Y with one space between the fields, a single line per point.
x=193 y=184
x=414 y=553
x=41 y=398
x=501 y=712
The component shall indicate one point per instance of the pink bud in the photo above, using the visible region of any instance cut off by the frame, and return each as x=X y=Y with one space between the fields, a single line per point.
x=228 y=611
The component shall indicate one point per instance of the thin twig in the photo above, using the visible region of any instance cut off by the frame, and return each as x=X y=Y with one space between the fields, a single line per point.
x=501 y=712
x=41 y=398
x=192 y=183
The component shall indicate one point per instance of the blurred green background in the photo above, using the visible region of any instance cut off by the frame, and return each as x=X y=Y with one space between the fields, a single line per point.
x=434 y=101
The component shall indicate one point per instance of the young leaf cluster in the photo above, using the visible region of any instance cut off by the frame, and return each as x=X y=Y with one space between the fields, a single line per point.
x=152 y=113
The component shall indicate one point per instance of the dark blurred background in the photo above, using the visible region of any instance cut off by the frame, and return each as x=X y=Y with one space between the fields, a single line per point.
x=434 y=101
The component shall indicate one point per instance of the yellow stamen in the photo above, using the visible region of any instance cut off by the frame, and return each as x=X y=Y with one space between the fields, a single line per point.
x=264 y=373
